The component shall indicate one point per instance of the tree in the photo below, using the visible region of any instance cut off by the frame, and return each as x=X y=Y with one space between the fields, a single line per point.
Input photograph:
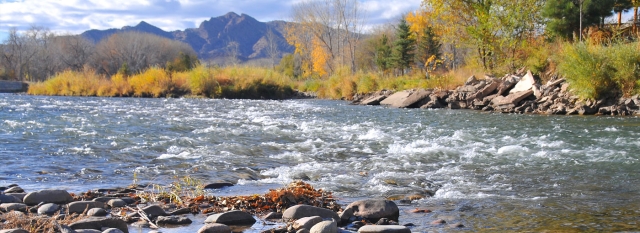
x=138 y=50
x=403 y=47
x=428 y=50
x=273 y=51
x=233 y=52
x=383 y=58
x=620 y=6
x=494 y=29
x=563 y=16
x=336 y=25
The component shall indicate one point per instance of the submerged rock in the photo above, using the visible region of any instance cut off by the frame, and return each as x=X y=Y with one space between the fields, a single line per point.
x=214 y=228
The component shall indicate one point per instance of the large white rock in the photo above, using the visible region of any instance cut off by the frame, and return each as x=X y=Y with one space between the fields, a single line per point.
x=525 y=84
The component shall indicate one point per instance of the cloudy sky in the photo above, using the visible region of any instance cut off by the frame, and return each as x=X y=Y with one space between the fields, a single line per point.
x=76 y=16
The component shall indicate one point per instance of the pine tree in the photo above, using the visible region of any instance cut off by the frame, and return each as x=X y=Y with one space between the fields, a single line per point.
x=564 y=15
x=403 y=47
x=383 y=54
x=428 y=49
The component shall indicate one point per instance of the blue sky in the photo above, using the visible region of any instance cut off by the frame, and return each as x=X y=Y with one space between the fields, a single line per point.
x=76 y=16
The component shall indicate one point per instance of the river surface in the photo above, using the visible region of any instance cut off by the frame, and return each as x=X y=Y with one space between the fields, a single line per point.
x=490 y=172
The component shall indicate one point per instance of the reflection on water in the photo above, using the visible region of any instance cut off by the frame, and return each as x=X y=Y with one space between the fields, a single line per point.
x=487 y=171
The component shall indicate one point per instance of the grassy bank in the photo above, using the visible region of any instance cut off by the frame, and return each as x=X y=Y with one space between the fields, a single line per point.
x=232 y=83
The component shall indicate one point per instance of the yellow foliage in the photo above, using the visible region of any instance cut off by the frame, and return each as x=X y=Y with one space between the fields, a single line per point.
x=319 y=56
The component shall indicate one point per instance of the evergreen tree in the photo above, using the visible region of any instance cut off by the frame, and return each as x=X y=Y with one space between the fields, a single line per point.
x=403 y=47
x=383 y=54
x=564 y=15
x=621 y=6
x=428 y=49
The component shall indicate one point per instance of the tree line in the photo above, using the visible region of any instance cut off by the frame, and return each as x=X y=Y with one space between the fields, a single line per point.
x=492 y=35
x=38 y=53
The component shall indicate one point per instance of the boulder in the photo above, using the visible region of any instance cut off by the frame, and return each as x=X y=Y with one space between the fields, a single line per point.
x=9 y=199
x=79 y=207
x=214 y=228
x=397 y=98
x=218 y=185
x=115 y=203
x=306 y=222
x=48 y=209
x=151 y=211
x=325 y=227
x=301 y=211
x=373 y=100
x=180 y=211
x=488 y=89
x=375 y=209
x=553 y=83
x=19 y=196
x=98 y=223
x=48 y=196
x=467 y=89
x=507 y=83
x=512 y=99
x=97 y=212
x=416 y=99
x=112 y=230
x=104 y=199
x=87 y=231
x=272 y=216
x=235 y=217
x=14 y=231
x=525 y=83
x=172 y=220
x=471 y=81
x=6 y=207
x=14 y=189
x=384 y=229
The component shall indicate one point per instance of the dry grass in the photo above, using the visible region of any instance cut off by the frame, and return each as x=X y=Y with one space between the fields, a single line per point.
x=35 y=223
x=236 y=82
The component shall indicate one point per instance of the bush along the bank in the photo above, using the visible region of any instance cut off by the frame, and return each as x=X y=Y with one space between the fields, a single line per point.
x=600 y=71
x=228 y=82
x=519 y=93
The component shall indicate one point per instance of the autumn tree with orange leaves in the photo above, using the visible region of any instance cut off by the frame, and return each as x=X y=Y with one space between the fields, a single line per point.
x=326 y=34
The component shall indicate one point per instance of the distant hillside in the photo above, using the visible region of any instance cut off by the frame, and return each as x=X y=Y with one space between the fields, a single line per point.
x=211 y=39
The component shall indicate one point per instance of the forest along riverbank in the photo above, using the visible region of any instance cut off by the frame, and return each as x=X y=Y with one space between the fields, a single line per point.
x=298 y=207
x=517 y=93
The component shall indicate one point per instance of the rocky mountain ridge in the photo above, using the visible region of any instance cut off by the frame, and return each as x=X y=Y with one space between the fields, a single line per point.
x=211 y=40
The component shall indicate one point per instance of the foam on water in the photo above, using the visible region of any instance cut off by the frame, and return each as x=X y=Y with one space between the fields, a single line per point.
x=354 y=151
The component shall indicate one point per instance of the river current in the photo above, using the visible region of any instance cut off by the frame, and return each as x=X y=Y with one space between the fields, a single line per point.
x=488 y=171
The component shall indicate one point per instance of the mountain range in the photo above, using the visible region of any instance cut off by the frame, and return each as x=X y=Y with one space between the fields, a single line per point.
x=212 y=38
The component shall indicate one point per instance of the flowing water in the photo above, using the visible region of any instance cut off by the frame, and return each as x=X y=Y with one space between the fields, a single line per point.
x=490 y=172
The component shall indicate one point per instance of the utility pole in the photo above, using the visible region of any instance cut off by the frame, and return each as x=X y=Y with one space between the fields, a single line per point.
x=581 y=1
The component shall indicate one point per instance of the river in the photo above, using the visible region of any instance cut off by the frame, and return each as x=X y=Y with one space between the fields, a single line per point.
x=488 y=171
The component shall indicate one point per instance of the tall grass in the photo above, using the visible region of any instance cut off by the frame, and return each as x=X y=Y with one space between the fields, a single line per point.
x=599 y=71
x=233 y=82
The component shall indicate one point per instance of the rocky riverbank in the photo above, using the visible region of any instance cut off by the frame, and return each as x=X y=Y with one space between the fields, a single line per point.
x=298 y=207
x=513 y=93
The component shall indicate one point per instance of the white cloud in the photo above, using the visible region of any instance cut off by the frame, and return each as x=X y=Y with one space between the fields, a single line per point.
x=76 y=16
